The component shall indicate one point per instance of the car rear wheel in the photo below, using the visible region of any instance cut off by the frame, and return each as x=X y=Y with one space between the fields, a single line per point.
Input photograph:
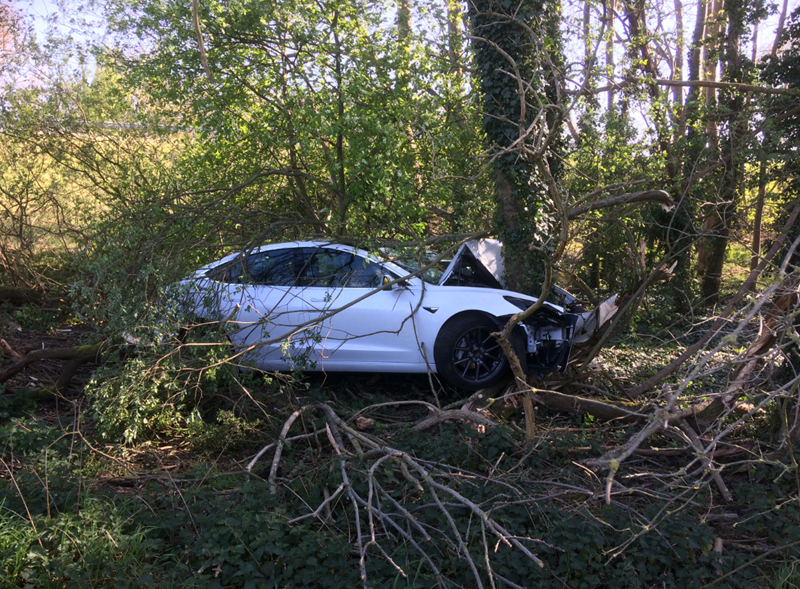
x=466 y=354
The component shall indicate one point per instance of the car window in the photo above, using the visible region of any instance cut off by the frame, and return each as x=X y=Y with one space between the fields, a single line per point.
x=412 y=261
x=270 y=268
x=335 y=269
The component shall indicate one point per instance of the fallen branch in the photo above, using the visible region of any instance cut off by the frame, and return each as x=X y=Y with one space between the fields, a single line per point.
x=600 y=409
x=8 y=351
x=21 y=296
x=707 y=462
x=461 y=414
x=78 y=354
x=373 y=524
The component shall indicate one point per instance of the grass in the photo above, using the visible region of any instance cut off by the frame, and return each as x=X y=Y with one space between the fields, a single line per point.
x=788 y=577
x=94 y=545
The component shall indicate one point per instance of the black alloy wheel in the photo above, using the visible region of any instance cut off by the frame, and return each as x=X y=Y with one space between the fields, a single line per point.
x=466 y=354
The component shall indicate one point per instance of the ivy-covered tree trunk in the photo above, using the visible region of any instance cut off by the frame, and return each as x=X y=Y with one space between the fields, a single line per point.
x=516 y=87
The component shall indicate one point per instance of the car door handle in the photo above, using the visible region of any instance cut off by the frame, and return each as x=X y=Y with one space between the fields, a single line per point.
x=317 y=300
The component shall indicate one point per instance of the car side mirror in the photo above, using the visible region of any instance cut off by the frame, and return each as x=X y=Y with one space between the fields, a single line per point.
x=387 y=280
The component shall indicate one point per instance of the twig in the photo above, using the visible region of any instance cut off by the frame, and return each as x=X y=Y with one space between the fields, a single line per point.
x=441 y=416
x=273 y=471
x=707 y=462
x=322 y=506
x=751 y=562
x=271 y=445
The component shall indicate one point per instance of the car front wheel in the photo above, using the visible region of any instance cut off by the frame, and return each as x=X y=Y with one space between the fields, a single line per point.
x=466 y=354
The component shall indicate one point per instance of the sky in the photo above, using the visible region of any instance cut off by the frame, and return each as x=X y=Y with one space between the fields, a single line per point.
x=40 y=10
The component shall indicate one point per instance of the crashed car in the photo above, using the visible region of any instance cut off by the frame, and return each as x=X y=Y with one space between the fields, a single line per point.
x=326 y=306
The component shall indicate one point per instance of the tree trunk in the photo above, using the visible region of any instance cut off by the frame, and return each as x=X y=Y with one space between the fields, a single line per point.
x=677 y=74
x=715 y=248
x=710 y=69
x=611 y=7
x=504 y=44
x=588 y=57
x=454 y=37
x=759 y=212
x=735 y=139
x=779 y=31
x=713 y=241
x=635 y=15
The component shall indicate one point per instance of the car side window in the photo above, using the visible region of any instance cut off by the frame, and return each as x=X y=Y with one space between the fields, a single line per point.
x=335 y=269
x=270 y=268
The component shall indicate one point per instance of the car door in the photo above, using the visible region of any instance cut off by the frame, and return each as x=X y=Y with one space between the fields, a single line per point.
x=359 y=330
x=261 y=306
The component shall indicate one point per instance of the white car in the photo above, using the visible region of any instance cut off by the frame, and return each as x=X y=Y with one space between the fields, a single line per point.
x=330 y=307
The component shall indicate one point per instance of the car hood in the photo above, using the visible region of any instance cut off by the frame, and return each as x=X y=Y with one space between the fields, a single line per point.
x=488 y=253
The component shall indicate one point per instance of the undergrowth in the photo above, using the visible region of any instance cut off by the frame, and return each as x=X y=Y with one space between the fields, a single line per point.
x=67 y=523
x=142 y=482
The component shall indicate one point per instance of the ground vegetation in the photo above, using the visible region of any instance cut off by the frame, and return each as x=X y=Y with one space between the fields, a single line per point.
x=135 y=451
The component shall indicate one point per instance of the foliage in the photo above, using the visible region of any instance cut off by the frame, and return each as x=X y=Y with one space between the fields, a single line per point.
x=785 y=69
x=185 y=387
x=324 y=118
x=92 y=547
x=203 y=528
x=608 y=153
x=322 y=129
x=53 y=533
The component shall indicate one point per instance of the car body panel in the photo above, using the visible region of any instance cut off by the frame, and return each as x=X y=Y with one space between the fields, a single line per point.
x=336 y=312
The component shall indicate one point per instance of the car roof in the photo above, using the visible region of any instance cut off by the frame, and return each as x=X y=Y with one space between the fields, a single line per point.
x=294 y=244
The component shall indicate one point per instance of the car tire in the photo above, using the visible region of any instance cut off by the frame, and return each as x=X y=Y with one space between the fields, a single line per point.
x=466 y=354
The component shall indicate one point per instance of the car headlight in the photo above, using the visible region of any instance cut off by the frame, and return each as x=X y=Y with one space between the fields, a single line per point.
x=521 y=304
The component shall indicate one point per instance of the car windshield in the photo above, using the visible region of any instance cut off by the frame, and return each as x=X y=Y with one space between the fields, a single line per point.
x=411 y=260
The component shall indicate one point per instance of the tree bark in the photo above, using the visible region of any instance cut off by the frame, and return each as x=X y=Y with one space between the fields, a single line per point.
x=82 y=354
x=611 y=7
x=759 y=212
x=635 y=15
x=724 y=212
x=779 y=31
x=677 y=74
x=454 y=37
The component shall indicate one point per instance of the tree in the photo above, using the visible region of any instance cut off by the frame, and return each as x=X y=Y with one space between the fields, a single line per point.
x=517 y=52
x=334 y=118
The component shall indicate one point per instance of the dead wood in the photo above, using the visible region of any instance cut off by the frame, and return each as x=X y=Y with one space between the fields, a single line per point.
x=460 y=414
x=378 y=517
x=660 y=196
x=604 y=410
x=741 y=378
x=20 y=296
x=8 y=351
x=77 y=356
x=706 y=461
x=15 y=295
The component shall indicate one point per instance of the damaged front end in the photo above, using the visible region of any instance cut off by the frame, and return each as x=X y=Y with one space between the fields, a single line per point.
x=543 y=342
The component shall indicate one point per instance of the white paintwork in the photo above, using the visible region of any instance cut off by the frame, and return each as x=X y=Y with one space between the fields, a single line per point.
x=381 y=330
x=489 y=253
